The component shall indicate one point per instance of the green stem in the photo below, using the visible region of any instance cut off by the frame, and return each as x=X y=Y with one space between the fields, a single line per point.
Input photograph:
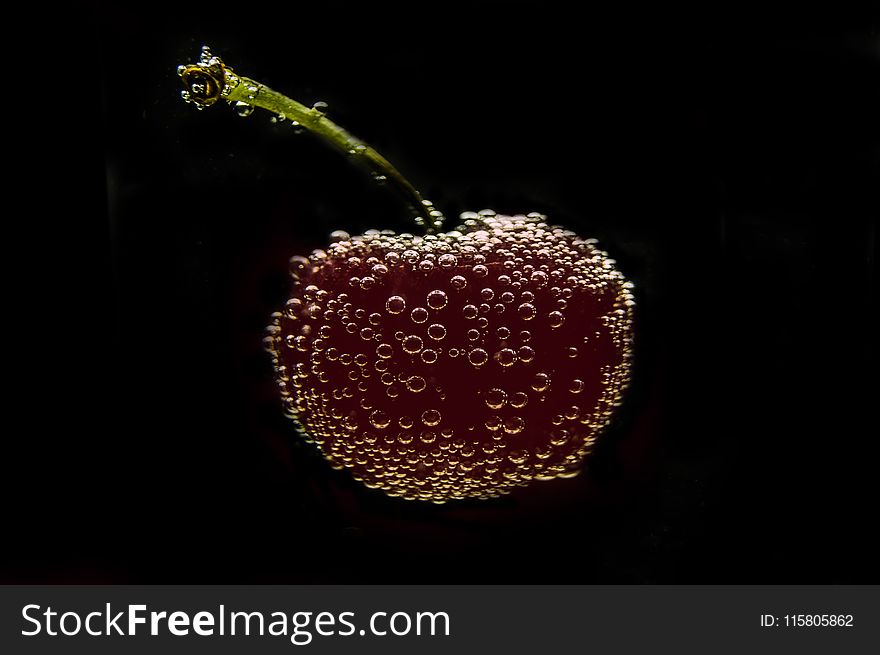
x=210 y=80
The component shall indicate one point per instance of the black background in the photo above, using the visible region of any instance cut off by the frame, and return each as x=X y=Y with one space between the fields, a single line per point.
x=727 y=158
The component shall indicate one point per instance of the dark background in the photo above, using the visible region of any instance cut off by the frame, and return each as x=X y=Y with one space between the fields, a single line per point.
x=727 y=158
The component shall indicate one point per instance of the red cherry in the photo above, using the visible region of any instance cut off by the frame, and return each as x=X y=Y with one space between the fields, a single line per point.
x=455 y=365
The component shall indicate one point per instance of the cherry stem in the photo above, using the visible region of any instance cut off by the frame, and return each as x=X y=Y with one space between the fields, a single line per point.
x=211 y=80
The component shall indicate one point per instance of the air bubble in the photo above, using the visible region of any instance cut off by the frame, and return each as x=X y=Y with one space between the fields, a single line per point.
x=478 y=357
x=458 y=282
x=429 y=356
x=495 y=398
x=576 y=386
x=506 y=357
x=556 y=319
x=395 y=305
x=416 y=383
x=379 y=419
x=514 y=424
x=419 y=315
x=526 y=353
x=447 y=260
x=480 y=271
x=469 y=312
x=526 y=311
x=436 y=331
x=431 y=417
x=541 y=382
x=243 y=109
x=384 y=350
x=519 y=400
x=412 y=344
x=437 y=299
x=293 y=308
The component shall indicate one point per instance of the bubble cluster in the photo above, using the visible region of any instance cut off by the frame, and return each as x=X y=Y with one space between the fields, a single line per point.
x=456 y=365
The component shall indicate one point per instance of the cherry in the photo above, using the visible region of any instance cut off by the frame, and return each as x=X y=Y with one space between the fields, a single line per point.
x=452 y=365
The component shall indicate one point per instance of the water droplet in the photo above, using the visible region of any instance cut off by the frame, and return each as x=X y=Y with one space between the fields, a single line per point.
x=419 y=315
x=379 y=419
x=495 y=398
x=478 y=357
x=395 y=305
x=431 y=417
x=437 y=299
x=320 y=108
x=412 y=344
x=526 y=311
x=436 y=331
x=458 y=282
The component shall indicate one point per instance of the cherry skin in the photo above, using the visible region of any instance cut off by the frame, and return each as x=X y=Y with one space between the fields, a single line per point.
x=457 y=365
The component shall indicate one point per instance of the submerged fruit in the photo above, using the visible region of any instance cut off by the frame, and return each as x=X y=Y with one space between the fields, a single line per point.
x=455 y=365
